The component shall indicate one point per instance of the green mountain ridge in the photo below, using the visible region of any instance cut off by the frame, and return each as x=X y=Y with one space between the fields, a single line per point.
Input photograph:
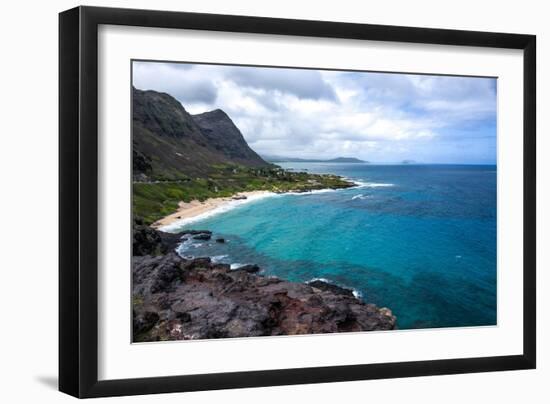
x=171 y=144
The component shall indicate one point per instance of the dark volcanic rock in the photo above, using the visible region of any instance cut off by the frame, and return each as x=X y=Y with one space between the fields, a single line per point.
x=220 y=240
x=156 y=274
x=178 y=299
x=195 y=232
x=147 y=241
x=144 y=321
x=202 y=262
x=338 y=290
x=250 y=268
x=202 y=237
x=171 y=240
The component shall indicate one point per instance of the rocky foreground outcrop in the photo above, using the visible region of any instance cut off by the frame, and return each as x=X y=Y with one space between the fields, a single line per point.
x=176 y=299
x=148 y=241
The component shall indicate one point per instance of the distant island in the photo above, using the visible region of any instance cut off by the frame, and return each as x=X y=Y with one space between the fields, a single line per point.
x=280 y=159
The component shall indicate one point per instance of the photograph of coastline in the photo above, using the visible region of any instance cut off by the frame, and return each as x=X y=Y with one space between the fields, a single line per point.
x=272 y=201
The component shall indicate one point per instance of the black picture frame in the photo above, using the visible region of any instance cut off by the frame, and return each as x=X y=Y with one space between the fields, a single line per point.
x=78 y=200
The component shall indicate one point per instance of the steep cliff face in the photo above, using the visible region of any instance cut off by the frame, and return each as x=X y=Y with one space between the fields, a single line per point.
x=164 y=116
x=226 y=138
x=168 y=142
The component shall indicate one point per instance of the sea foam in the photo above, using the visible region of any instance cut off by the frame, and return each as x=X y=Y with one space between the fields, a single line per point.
x=216 y=259
x=363 y=184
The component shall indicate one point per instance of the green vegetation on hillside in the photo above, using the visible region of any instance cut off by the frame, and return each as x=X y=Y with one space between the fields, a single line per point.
x=156 y=199
x=182 y=157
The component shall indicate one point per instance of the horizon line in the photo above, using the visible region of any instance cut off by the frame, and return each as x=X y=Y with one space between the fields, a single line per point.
x=416 y=163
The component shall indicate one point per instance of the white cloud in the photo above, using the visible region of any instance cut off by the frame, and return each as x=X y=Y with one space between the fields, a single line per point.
x=305 y=84
x=184 y=83
x=307 y=113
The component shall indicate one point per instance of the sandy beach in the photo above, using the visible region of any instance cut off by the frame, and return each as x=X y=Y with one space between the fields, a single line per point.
x=187 y=210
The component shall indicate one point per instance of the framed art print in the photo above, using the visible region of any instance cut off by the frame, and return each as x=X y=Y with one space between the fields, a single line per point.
x=250 y=201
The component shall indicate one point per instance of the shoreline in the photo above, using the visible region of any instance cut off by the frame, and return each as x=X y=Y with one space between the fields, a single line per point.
x=189 y=212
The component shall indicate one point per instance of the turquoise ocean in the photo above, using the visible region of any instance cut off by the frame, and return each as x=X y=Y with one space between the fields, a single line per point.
x=418 y=239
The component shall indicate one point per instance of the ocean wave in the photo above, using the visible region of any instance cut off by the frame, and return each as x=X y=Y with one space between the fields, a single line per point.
x=359 y=196
x=319 y=191
x=216 y=259
x=357 y=294
x=183 y=247
x=182 y=254
x=318 y=279
x=363 y=184
x=312 y=192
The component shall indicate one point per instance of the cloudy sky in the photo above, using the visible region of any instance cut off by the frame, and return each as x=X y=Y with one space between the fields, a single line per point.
x=379 y=117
